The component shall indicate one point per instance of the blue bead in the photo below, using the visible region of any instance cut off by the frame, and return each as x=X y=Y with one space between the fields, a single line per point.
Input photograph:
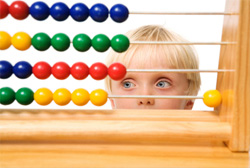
x=22 y=69
x=79 y=12
x=99 y=12
x=39 y=10
x=59 y=11
x=119 y=13
x=5 y=69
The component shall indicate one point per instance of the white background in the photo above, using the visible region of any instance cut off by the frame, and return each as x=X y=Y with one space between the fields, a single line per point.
x=193 y=28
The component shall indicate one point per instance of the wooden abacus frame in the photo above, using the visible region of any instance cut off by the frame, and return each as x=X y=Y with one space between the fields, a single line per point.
x=228 y=123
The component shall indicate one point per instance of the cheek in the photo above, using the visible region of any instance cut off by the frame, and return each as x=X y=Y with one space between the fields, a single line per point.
x=170 y=104
x=125 y=103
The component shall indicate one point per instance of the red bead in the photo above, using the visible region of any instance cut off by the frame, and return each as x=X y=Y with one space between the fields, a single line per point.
x=42 y=70
x=79 y=70
x=19 y=10
x=98 y=71
x=4 y=9
x=61 y=70
x=117 y=71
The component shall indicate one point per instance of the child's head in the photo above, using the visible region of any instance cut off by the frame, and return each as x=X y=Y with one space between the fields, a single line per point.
x=154 y=56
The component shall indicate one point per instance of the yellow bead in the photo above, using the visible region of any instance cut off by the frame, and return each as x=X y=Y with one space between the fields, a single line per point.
x=98 y=97
x=43 y=96
x=212 y=98
x=5 y=40
x=80 y=97
x=62 y=96
x=21 y=41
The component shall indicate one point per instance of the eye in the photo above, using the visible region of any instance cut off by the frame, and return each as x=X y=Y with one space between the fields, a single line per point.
x=127 y=84
x=163 y=84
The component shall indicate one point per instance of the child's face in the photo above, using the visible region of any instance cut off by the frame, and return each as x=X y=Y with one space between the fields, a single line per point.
x=151 y=84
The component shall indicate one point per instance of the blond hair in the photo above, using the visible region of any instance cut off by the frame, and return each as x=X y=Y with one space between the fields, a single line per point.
x=177 y=56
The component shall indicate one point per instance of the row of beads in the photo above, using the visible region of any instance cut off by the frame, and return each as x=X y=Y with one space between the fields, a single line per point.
x=61 y=70
x=61 y=42
x=44 y=96
x=80 y=97
x=60 y=11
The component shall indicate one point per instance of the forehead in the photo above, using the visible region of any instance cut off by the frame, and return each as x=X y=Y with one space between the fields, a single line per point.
x=149 y=57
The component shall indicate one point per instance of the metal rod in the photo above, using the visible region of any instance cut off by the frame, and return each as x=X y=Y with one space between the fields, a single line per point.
x=179 y=70
x=184 y=13
x=180 y=43
x=154 y=97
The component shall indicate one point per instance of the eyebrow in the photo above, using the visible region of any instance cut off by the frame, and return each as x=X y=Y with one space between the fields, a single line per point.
x=156 y=76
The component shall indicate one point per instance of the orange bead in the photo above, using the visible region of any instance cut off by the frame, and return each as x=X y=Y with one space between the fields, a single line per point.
x=21 y=41
x=228 y=98
x=62 y=96
x=98 y=97
x=80 y=97
x=212 y=98
x=43 y=96
x=5 y=40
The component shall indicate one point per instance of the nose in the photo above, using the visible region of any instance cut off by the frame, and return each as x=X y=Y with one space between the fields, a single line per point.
x=145 y=89
x=145 y=101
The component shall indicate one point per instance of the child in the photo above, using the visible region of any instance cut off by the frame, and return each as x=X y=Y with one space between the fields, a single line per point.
x=153 y=56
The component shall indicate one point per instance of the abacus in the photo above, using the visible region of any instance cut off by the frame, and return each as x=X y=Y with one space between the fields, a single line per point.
x=228 y=123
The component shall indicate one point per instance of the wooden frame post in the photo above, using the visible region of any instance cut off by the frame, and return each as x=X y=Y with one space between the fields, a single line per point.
x=235 y=87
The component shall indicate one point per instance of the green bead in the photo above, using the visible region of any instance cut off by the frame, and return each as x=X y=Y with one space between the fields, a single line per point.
x=82 y=42
x=60 y=42
x=7 y=96
x=41 y=41
x=25 y=96
x=101 y=43
x=120 y=43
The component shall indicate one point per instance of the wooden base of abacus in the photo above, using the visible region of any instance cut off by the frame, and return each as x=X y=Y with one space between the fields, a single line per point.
x=115 y=138
x=206 y=155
